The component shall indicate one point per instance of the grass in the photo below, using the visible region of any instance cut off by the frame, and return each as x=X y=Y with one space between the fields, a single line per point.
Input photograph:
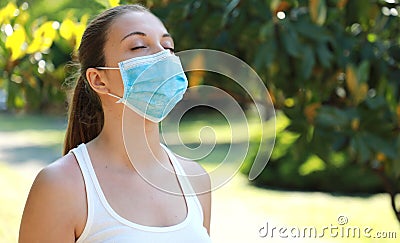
x=13 y=123
x=239 y=209
x=14 y=190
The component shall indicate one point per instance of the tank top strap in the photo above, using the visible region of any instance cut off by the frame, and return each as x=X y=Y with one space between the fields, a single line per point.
x=187 y=188
x=81 y=156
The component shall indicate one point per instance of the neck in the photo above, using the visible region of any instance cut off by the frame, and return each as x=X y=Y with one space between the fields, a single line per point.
x=129 y=138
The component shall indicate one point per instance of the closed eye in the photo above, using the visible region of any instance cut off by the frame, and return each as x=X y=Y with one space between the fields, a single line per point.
x=137 y=47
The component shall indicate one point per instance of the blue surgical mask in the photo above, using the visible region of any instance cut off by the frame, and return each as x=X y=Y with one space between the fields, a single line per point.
x=153 y=84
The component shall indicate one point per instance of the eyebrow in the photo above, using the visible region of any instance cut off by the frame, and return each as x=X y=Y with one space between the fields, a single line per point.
x=141 y=34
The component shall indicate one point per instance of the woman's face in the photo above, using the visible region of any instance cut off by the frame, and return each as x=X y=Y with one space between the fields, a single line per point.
x=133 y=34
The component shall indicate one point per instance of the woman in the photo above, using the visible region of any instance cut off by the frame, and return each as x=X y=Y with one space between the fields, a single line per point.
x=114 y=182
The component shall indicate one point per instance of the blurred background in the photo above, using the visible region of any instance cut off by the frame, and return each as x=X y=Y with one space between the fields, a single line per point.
x=332 y=69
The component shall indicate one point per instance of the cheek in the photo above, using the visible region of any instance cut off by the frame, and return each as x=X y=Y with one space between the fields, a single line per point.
x=116 y=85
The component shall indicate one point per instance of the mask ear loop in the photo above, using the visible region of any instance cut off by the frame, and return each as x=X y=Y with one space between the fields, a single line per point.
x=112 y=95
x=115 y=96
x=105 y=68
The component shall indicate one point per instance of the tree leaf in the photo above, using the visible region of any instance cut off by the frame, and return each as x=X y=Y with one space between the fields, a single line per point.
x=312 y=164
x=315 y=32
x=359 y=145
x=79 y=29
x=308 y=62
x=266 y=31
x=351 y=79
x=42 y=38
x=232 y=5
x=16 y=42
x=67 y=28
x=331 y=117
x=363 y=71
x=7 y=13
x=311 y=111
x=113 y=3
x=290 y=40
x=318 y=11
x=324 y=55
x=379 y=144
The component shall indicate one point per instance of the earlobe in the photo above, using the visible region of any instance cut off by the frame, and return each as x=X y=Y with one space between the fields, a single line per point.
x=96 y=80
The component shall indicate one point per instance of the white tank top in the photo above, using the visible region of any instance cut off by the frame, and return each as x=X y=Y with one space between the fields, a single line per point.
x=105 y=225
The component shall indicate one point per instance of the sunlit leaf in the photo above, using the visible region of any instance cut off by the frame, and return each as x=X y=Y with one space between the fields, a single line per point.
x=19 y=101
x=196 y=77
x=43 y=38
x=289 y=102
x=351 y=79
x=67 y=29
x=311 y=111
x=279 y=5
x=341 y=4
x=318 y=11
x=355 y=123
x=398 y=114
x=16 y=42
x=23 y=17
x=7 y=13
x=79 y=29
x=72 y=30
x=362 y=92
x=313 y=163
x=113 y=3
x=371 y=37
x=84 y=19
x=31 y=81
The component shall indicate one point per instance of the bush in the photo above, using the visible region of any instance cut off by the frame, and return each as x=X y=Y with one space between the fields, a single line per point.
x=289 y=169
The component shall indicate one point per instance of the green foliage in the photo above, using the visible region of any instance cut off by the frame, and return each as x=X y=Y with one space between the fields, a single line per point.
x=34 y=49
x=332 y=68
x=294 y=166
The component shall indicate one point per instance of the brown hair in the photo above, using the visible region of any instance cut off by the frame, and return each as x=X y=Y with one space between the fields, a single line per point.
x=86 y=118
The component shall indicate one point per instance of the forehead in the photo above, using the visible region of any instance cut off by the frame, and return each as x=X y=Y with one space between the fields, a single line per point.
x=135 y=21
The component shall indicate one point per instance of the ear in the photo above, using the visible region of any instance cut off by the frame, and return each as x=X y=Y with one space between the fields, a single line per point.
x=97 y=80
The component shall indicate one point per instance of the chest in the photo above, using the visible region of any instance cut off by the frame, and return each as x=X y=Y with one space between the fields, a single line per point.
x=152 y=200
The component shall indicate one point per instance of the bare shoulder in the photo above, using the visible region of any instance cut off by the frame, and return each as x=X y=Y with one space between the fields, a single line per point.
x=63 y=176
x=63 y=173
x=54 y=205
x=197 y=175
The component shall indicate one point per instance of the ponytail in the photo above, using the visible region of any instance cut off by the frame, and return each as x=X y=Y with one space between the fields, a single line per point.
x=86 y=118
